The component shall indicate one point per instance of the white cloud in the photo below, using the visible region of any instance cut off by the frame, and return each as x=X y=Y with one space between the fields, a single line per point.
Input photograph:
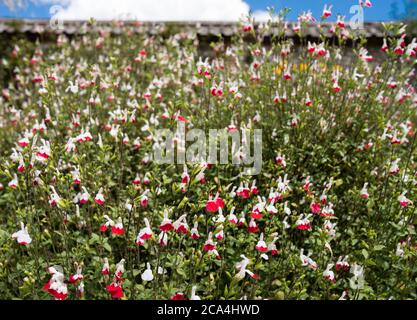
x=261 y=15
x=151 y=10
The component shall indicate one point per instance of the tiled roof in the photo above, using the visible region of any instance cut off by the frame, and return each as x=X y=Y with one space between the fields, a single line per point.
x=203 y=28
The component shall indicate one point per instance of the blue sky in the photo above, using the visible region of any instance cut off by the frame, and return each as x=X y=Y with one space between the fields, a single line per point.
x=379 y=12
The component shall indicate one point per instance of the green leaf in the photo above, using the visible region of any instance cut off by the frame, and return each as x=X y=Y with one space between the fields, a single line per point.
x=365 y=253
x=379 y=247
x=107 y=247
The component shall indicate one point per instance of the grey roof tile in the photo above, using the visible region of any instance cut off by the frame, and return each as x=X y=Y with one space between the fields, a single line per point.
x=202 y=28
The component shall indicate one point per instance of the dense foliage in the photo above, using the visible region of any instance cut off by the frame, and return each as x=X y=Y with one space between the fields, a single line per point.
x=331 y=213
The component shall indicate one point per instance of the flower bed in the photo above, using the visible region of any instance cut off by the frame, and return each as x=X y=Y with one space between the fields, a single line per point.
x=85 y=213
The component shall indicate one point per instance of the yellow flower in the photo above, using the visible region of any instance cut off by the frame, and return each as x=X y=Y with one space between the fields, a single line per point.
x=280 y=67
x=302 y=67
x=337 y=67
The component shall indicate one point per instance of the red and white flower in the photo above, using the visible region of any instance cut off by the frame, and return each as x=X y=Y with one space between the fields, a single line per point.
x=194 y=231
x=163 y=239
x=54 y=197
x=232 y=217
x=209 y=245
x=315 y=207
x=99 y=198
x=303 y=223
x=365 y=3
x=14 y=183
x=404 y=201
x=56 y=285
x=328 y=273
x=242 y=219
x=242 y=269
x=118 y=229
x=144 y=199
x=78 y=276
x=261 y=245
x=180 y=225
x=105 y=270
x=145 y=233
x=342 y=264
x=364 y=192
x=85 y=196
x=109 y=223
x=166 y=224
x=243 y=191
x=219 y=234
x=272 y=247
x=327 y=11
x=253 y=227
x=307 y=261
x=394 y=168
x=22 y=236
x=213 y=204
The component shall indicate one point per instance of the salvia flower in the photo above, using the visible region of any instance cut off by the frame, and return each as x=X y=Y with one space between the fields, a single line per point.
x=145 y=233
x=258 y=208
x=253 y=227
x=315 y=207
x=327 y=11
x=194 y=231
x=328 y=273
x=147 y=275
x=261 y=245
x=105 y=270
x=85 y=196
x=78 y=276
x=242 y=220
x=117 y=228
x=357 y=281
x=180 y=225
x=99 y=198
x=232 y=217
x=404 y=201
x=219 y=233
x=14 y=182
x=144 y=199
x=243 y=191
x=178 y=296
x=193 y=295
x=166 y=224
x=163 y=239
x=22 y=236
x=242 y=269
x=327 y=211
x=303 y=223
x=105 y=226
x=342 y=263
x=220 y=218
x=272 y=246
x=399 y=252
x=364 y=192
x=213 y=204
x=394 y=168
x=115 y=289
x=209 y=245
x=56 y=285
x=307 y=261
x=54 y=197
